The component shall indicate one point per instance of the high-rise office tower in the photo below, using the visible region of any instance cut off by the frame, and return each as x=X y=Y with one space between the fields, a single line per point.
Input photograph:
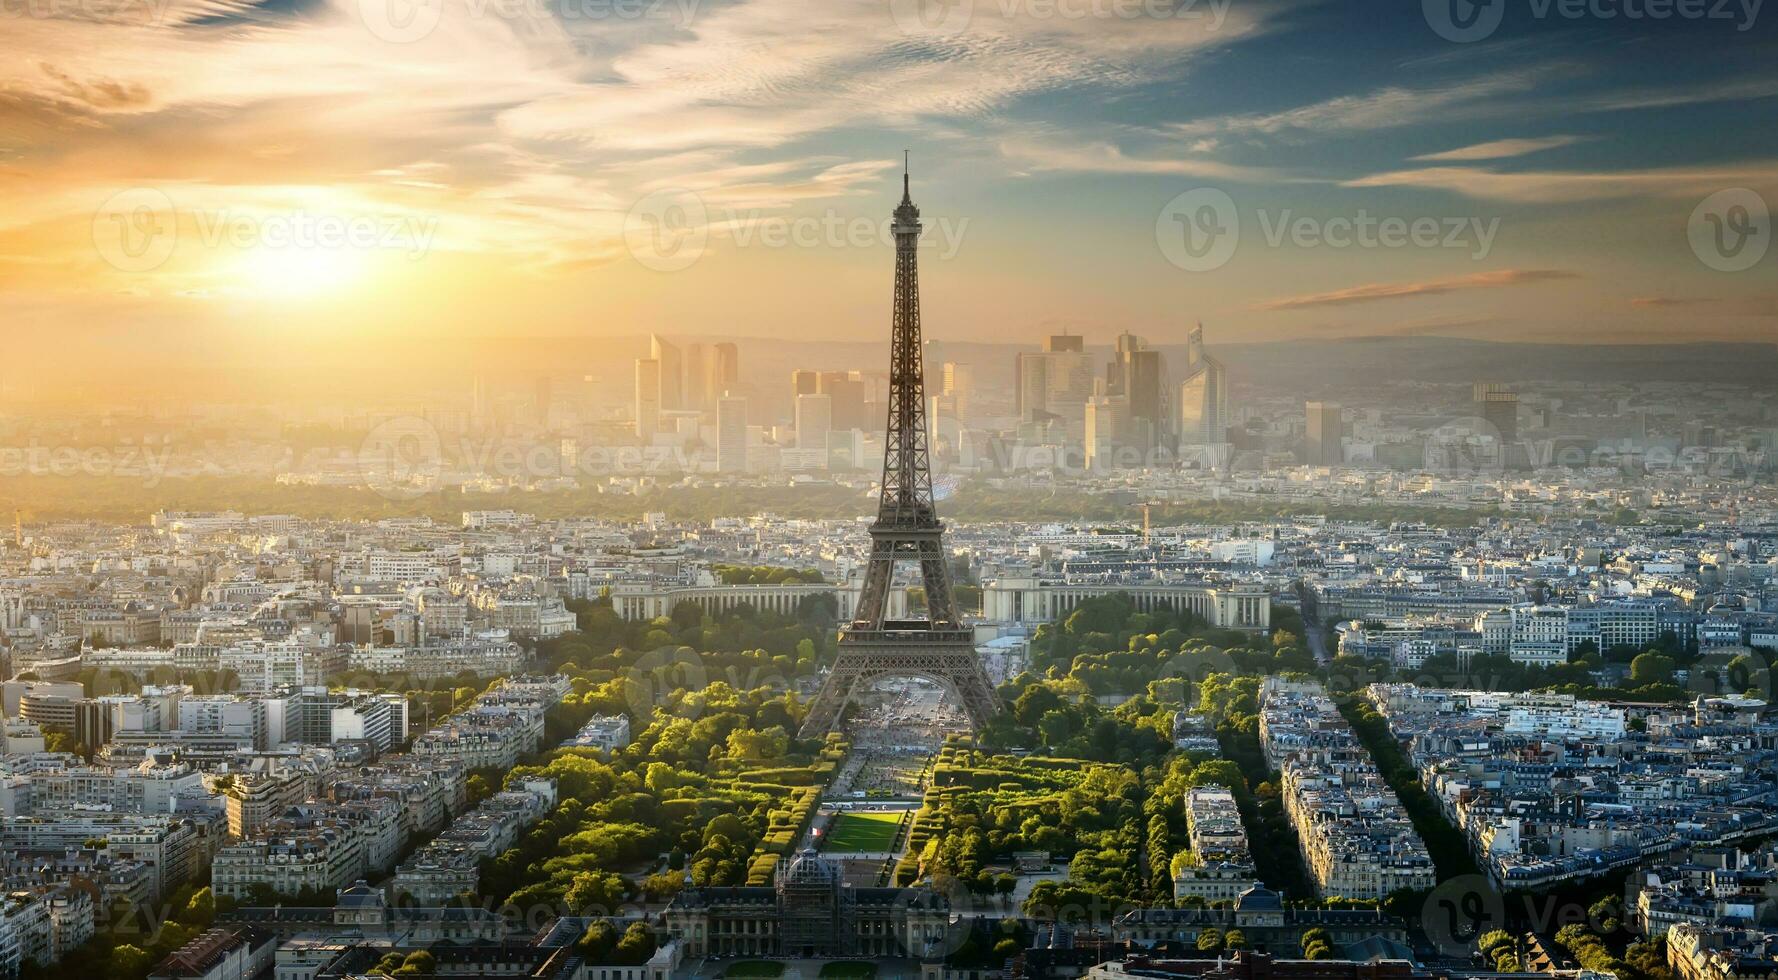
x=1203 y=396
x=1323 y=432
x=848 y=398
x=724 y=366
x=959 y=386
x=731 y=434
x=697 y=378
x=648 y=398
x=804 y=382
x=1499 y=407
x=672 y=372
x=1057 y=380
x=1107 y=423
x=1135 y=373
x=1031 y=385
x=814 y=420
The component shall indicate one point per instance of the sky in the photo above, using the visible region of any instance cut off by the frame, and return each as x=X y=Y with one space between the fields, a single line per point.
x=182 y=174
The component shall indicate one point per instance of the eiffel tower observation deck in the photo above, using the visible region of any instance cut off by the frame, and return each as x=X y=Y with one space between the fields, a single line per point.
x=940 y=647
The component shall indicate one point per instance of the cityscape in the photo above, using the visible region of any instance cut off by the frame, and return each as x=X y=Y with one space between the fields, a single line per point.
x=469 y=516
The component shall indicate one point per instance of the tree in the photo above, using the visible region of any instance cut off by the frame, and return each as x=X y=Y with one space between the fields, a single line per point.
x=1210 y=940
x=636 y=946
x=1490 y=943
x=1234 y=939
x=129 y=960
x=200 y=911
x=595 y=893
x=1652 y=668
x=750 y=745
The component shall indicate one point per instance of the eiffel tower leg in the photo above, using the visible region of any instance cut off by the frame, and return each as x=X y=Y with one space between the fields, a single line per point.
x=836 y=692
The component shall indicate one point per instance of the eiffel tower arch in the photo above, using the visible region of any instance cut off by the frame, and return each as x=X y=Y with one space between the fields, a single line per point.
x=940 y=647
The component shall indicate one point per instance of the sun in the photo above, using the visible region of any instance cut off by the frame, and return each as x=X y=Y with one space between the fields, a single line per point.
x=301 y=271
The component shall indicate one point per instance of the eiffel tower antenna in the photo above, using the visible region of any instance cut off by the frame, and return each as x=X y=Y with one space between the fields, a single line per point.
x=940 y=647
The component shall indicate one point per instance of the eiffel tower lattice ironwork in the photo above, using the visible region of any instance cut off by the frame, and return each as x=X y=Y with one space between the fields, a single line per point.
x=940 y=647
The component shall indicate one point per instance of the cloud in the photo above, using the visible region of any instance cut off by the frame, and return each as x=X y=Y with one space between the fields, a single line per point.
x=1658 y=302
x=1106 y=158
x=1555 y=187
x=1743 y=306
x=523 y=130
x=1385 y=108
x=1495 y=95
x=1501 y=149
x=1373 y=292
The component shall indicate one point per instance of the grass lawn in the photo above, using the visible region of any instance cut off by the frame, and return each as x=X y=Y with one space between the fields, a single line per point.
x=754 y=970
x=848 y=971
x=862 y=831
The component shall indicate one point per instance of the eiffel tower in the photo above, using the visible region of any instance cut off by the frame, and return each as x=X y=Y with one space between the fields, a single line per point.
x=907 y=528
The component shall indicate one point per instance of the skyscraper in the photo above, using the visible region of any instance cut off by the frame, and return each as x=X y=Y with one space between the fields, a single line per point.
x=731 y=434
x=1203 y=396
x=848 y=398
x=814 y=419
x=1323 y=432
x=1107 y=423
x=1499 y=407
x=804 y=382
x=671 y=368
x=1135 y=373
x=1057 y=380
x=648 y=398
x=959 y=386
x=724 y=366
x=697 y=378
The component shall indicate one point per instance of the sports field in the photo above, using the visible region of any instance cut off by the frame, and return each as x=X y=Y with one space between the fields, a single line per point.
x=868 y=830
